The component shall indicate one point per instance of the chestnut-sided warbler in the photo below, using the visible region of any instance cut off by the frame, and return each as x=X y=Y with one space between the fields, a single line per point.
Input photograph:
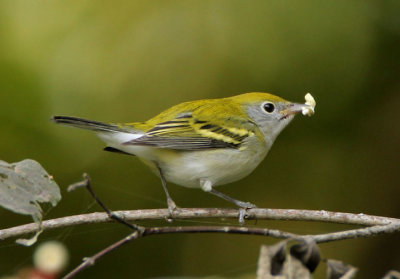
x=204 y=143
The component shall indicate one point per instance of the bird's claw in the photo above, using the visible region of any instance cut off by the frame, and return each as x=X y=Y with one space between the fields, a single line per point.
x=171 y=209
x=243 y=211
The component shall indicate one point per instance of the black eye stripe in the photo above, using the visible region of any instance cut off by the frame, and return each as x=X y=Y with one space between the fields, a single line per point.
x=269 y=107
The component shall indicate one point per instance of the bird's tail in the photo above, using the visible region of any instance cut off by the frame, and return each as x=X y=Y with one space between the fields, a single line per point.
x=87 y=124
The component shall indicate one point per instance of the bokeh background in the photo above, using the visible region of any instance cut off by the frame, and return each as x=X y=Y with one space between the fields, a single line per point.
x=120 y=61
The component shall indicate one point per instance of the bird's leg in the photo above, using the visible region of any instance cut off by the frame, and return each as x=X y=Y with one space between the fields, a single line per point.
x=245 y=205
x=207 y=187
x=171 y=204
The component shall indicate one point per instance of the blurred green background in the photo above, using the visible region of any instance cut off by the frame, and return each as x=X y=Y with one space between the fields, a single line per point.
x=124 y=61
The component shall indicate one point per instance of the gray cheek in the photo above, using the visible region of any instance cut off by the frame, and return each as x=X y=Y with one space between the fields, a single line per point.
x=272 y=128
x=259 y=116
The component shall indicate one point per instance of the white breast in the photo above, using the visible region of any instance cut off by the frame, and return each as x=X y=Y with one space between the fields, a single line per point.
x=188 y=168
x=219 y=166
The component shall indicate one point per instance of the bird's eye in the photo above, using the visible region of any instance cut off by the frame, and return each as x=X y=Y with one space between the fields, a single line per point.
x=269 y=107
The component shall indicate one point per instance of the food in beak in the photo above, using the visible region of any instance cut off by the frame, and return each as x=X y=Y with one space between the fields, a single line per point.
x=310 y=102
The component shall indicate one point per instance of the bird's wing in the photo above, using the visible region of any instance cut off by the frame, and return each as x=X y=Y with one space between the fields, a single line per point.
x=198 y=129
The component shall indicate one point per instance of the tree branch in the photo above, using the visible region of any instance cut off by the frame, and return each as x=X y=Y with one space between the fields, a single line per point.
x=384 y=224
x=143 y=231
x=375 y=224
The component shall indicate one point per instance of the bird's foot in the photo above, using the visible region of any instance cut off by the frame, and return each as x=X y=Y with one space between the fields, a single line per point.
x=243 y=210
x=172 y=207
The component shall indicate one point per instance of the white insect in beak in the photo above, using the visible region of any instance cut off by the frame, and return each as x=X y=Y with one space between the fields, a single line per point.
x=307 y=108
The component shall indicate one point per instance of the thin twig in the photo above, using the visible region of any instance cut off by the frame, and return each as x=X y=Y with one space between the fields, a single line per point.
x=86 y=183
x=319 y=238
x=89 y=261
x=364 y=232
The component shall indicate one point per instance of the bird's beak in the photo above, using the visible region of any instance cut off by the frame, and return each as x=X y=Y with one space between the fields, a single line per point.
x=294 y=108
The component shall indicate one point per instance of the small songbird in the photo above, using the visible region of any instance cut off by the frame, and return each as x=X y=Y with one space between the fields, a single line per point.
x=204 y=143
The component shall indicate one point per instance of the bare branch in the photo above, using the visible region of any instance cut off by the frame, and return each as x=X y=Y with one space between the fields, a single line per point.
x=377 y=224
x=89 y=261
x=364 y=232
x=202 y=213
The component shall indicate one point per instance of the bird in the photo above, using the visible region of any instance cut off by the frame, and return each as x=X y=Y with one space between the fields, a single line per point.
x=203 y=143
